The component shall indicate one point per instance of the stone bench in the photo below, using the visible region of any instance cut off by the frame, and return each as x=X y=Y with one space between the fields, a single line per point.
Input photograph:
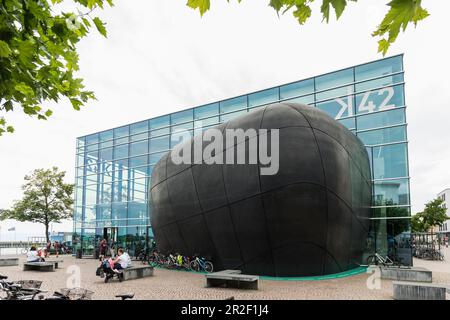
x=418 y=291
x=38 y=266
x=7 y=262
x=137 y=272
x=406 y=274
x=55 y=262
x=233 y=279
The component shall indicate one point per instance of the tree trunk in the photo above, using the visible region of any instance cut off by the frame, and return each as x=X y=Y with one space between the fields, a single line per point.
x=46 y=231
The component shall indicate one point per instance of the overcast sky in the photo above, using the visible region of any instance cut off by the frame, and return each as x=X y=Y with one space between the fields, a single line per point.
x=161 y=57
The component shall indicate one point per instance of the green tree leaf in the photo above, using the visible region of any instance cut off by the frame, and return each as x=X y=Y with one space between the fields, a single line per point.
x=100 y=26
x=5 y=51
x=38 y=56
x=201 y=5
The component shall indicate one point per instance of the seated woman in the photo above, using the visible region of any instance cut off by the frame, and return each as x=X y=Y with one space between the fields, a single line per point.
x=33 y=256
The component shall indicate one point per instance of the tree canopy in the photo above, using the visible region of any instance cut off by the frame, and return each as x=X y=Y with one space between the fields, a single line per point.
x=46 y=198
x=38 y=57
x=400 y=14
x=433 y=215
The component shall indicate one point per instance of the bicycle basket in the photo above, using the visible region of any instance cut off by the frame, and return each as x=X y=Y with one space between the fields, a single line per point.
x=77 y=293
x=30 y=284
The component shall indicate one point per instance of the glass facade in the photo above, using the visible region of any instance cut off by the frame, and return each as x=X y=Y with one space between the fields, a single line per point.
x=113 y=167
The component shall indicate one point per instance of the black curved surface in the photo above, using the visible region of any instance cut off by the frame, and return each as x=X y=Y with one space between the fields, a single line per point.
x=309 y=219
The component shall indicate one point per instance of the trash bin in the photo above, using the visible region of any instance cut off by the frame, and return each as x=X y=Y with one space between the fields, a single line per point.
x=79 y=254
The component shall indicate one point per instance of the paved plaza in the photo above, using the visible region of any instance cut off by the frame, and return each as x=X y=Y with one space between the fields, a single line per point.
x=169 y=284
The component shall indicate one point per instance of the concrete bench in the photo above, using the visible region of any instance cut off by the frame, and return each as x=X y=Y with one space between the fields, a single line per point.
x=418 y=291
x=55 y=262
x=406 y=274
x=232 y=280
x=38 y=266
x=137 y=272
x=7 y=262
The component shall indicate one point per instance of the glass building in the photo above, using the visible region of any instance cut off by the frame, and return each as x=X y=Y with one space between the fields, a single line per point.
x=113 y=167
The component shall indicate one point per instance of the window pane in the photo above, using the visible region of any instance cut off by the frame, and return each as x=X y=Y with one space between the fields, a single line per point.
x=138 y=161
x=106 y=135
x=136 y=173
x=159 y=132
x=305 y=100
x=139 y=127
x=263 y=97
x=159 y=122
x=104 y=193
x=296 y=89
x=381 y=119
x=390 y=161
x=119 y=214
x=121 y=151
x=339 y=93
x=138 y=190
x=154 y=158
x=378 y=100
x=159 y=144
x=383 y=82
x=233 y=115
x=182 y=116
x=140 y=147
x=391 y=192
x=81 y=142
x=206 y=122
x=120 y=191
x=350 y=123
x=233 y=104
x=179 y=137
x=378 y=68
x=182 y=127
x=206 y=111
x=106 y=154
x=334 y=79
x=93 y=138
x=336 y=109
x=121 y=132
x=387 y=135
x=90 y=195
x=139 y=136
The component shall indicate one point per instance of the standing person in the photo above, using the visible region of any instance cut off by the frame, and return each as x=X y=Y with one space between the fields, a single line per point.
x=56 y=246
x=102 y=249
x=446 y=241
x=47 y=248
x=111 y=248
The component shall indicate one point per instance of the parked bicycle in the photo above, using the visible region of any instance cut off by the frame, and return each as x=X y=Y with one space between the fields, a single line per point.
x=19 y=290
x=201 y=264
x=377 y=259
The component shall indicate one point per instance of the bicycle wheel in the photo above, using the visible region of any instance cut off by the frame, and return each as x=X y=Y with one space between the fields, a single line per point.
x=208 y=267
x=372 y=260
x=194 y=265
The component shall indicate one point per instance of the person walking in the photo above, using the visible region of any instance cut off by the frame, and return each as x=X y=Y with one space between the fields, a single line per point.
x=111 y=248
x=103 y=245
x=56 y=246
x=47 y=248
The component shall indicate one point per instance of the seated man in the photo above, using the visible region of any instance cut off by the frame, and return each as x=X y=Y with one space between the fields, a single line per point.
x=122 y=260
x=33 y=256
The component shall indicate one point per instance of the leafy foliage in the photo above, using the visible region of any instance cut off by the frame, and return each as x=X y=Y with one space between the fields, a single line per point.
x=38 y=56
x=46 y=199
x=400 y=14
x=433 y=215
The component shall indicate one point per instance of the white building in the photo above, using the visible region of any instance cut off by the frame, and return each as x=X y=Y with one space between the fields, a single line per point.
x=445 y=195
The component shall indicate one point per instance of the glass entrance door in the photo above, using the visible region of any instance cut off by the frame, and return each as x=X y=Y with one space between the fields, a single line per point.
x=110 y=234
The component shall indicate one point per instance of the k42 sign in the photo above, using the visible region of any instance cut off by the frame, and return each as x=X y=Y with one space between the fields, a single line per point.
x=381 y=99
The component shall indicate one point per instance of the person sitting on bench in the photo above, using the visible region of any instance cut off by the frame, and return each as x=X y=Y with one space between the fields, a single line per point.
x=122 y=261
x=33 y=256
